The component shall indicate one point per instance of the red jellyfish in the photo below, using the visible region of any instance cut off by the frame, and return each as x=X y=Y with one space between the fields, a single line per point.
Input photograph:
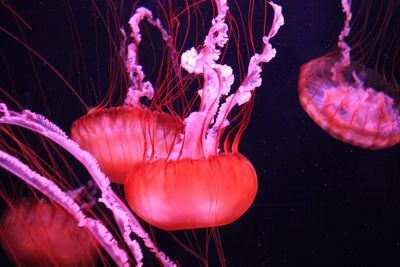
x=175 y=172
x=119 y=137
x=37 y=233
x=351 y=102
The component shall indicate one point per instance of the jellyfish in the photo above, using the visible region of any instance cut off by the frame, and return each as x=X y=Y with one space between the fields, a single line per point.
x=352 y=93
x=175 y=174
x=38 y=233
x=154 y=135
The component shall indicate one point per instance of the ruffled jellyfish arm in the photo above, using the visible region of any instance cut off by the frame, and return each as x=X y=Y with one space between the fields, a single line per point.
x=51 y=190
x=127 y=223
x=218 y=81
x=253 y=79
x=140 y=88
x=345 y=49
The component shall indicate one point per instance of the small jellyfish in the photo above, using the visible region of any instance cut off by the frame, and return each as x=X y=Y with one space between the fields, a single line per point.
x=37 y=233
x=354 y=103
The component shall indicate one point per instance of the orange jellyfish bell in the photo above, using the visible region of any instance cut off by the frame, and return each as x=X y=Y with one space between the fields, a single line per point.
x=192 y=193
x=36 y=233
x=120 y=137
x=348 y=100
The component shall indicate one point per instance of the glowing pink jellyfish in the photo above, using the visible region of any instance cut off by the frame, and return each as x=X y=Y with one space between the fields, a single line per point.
x=175 y=174
x=135 y=146
x=37 y=233
x=352 y=103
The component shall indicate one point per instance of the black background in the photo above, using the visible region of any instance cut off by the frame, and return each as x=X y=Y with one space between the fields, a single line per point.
x=320 y=202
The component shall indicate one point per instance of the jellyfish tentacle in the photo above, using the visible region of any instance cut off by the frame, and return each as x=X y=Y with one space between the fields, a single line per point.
x=138 y=88
x=218 y=80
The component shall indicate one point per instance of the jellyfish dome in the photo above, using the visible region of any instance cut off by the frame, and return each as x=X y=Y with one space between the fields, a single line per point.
x=37 y=233
x=118 y=137
x=348 y=100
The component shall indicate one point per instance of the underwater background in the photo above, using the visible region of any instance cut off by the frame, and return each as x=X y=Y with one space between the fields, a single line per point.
x=320 y=202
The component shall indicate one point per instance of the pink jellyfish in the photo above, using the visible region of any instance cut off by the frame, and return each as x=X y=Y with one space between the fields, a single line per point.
x=351 y=102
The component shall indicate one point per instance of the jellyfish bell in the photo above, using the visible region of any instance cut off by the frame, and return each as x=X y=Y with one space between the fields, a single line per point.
x=350 y=101
x=119 y=137
x=37 y=233
x=345 y=108
x=192 y=193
